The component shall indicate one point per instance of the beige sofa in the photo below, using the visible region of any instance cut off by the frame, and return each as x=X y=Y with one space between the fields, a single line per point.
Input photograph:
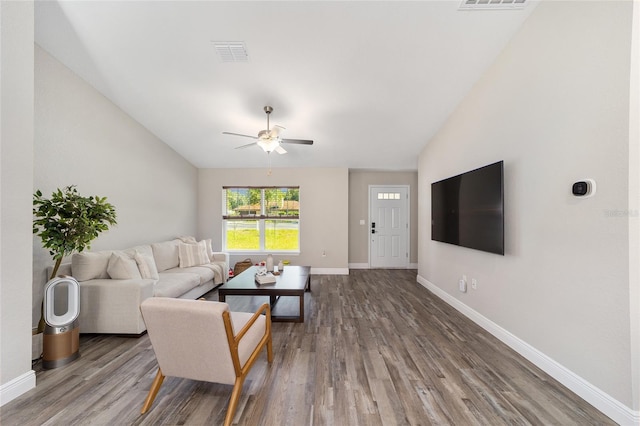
x=113 y=283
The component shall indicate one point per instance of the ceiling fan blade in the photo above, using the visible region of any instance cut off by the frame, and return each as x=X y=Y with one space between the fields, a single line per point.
x=298 y=141
x=247 y=145
x=280 y=150
x=276 y=130
x=239 y=134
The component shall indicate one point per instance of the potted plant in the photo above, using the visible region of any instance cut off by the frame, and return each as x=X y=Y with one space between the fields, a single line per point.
x=67 y=223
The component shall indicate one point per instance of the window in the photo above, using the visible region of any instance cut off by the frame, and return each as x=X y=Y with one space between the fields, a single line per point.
x=388 y=195
x=261 y=219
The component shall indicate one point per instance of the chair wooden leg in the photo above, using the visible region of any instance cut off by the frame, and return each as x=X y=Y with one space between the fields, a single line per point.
x=270 y=349
x=233 y=402
x=155 y=387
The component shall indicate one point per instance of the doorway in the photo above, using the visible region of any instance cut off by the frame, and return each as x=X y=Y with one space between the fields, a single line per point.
x=389 y=226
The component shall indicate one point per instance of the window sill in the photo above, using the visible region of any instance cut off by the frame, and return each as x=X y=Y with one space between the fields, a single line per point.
x=262 y=253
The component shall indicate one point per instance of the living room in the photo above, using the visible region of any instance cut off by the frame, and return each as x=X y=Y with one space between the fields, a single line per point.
x=559 y=104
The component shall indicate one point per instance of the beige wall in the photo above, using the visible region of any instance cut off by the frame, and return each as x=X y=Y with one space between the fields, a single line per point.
x=324 y=198
x=84 y=139
x=359 y=181
x=555 y=108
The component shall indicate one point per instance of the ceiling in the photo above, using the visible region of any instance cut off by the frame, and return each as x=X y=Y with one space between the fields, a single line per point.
x=369 y=82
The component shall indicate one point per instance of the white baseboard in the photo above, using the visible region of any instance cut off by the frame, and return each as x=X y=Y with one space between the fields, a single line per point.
x=366 y=266
x=16 y=387
x=329 y=271
x=358 y=266
x=609 y=406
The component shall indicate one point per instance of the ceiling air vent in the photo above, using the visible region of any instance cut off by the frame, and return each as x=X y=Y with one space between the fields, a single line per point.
x=231 y=51
x=492 y=4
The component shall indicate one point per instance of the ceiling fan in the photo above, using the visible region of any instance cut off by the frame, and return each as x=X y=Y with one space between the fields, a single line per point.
x=270 y=140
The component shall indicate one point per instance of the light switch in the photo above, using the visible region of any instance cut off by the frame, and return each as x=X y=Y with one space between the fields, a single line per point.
x=361 y=221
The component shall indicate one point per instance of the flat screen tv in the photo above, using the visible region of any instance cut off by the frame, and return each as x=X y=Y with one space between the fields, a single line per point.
x=468 y=209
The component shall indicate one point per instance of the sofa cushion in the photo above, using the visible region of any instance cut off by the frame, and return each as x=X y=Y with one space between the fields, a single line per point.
x=192 y=254
x=90 y=265
x=166 y=254
x=175 y=284
x=143 y=249
x=146 y=265
x=203 y=271
x=122 y=267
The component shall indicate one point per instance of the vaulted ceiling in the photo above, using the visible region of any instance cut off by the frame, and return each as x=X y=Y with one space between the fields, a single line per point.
x=369 y=82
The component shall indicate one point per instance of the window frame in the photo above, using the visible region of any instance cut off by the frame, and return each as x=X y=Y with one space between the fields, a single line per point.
x=261 y=219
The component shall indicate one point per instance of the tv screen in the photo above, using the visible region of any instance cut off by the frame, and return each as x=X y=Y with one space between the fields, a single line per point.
x=468 y=209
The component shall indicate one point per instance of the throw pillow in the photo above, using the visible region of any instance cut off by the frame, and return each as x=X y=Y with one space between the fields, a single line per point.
x=209 y=248
x=146 y=265
x=193 y=254
x=90 y=265
x=166 y=254
x=122 y=267
x=188 y=239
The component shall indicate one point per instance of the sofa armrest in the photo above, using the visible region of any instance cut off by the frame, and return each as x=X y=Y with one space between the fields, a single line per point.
x=113 y=306
x=221 y=259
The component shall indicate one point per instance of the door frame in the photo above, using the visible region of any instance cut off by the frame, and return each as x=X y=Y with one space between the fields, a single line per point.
x=408 y=210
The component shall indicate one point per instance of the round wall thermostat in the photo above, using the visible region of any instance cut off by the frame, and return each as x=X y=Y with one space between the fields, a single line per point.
x=584 y=188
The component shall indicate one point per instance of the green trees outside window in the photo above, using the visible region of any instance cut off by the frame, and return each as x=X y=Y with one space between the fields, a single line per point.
x=261 y=219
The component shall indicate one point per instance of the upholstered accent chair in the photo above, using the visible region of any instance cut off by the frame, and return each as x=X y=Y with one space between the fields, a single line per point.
x=197 y=339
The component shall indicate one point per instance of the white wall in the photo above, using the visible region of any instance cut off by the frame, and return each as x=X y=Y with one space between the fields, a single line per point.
x=634 y=205
x=16 y=178
x=555 y=108
x=84 y=139
x=359 y=181
x=324 y=198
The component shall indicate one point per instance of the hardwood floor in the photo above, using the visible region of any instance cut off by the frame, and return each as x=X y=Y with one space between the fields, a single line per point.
x=376 y=348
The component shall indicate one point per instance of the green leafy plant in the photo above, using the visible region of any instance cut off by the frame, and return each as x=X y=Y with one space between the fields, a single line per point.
x=68 y=222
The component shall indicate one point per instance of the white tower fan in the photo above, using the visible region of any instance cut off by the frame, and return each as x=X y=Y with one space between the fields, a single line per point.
x=61 y=339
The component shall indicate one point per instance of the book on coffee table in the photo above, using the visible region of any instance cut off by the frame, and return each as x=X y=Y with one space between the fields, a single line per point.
x=265 y=279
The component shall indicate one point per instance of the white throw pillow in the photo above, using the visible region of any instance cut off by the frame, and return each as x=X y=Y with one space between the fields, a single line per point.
x=209 y=248
x=146 y=265
x=166 y=254
x=122 y=267
x=193 y=254
x=90 y=265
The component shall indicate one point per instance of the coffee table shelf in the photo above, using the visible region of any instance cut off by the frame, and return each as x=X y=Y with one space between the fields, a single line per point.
x=292 y=281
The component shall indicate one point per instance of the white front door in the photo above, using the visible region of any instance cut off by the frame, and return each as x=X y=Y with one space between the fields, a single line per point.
x=388 y=226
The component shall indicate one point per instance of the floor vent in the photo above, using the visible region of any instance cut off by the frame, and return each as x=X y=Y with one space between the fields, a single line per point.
x=492 y=4
x=234 y=51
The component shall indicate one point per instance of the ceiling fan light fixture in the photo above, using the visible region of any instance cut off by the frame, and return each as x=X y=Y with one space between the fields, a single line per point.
x=268 y=144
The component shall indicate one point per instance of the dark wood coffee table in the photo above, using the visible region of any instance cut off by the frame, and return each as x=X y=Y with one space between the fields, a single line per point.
x=293 y=281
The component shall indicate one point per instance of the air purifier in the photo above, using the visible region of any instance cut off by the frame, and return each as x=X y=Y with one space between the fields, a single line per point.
x=61 y=339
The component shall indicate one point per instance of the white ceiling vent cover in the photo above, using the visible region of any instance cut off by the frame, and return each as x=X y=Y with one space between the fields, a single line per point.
x=492 y=4
x=231 y=51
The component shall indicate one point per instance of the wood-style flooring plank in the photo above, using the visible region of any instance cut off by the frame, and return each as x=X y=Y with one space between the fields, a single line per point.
x=376 y=348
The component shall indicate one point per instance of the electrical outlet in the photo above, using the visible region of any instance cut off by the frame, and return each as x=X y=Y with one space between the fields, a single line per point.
x=474 y=283
x=462 y=284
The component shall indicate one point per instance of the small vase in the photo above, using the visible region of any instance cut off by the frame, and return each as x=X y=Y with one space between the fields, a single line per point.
x=269 y=263
x=280 y=266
